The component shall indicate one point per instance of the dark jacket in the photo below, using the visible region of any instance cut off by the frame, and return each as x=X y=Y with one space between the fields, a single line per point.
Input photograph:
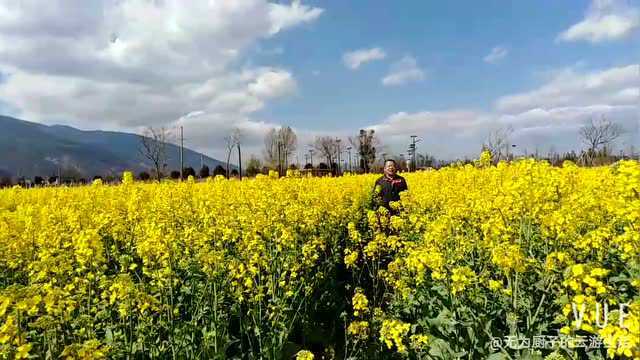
x=389 y=190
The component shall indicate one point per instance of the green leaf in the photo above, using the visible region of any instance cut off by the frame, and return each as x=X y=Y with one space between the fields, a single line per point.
x=108 y=336
x=440 y=349
x=471 y=334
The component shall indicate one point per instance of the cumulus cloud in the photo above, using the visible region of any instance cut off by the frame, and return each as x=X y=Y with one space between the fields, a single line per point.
x=446 y=134
x=273 y=84
x=403 y=72
x=405 y=123
x=605 y=20
x=284 y=16
x=569 y=87
x=545 y=118
x=353 y=59
x=496 y=55
x=126 y=64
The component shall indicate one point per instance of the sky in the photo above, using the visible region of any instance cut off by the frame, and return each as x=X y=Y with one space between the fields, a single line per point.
x=449 y=72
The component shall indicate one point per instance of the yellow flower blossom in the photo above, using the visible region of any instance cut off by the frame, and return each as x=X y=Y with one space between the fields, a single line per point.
x=360 y=303
x=392 y=334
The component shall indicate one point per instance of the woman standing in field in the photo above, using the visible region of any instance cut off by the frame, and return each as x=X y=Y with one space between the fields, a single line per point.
x=389 y=186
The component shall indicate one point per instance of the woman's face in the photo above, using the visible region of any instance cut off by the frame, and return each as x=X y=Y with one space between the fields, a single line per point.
x=390 y=168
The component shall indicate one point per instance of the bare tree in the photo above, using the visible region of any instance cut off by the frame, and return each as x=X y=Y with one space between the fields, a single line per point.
x=498 y=143
x=279 y=145
x=599 y=134
x=153 y=147
x=327 y=146
x=271 y=147
x=289 y=141
x=232 y=140
x=366 y=144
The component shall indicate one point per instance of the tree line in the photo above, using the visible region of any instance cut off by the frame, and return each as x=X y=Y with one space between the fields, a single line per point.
x=361 y=153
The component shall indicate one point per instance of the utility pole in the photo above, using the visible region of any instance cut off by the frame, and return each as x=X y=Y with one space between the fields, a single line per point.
x=412 y=151
x=201 y=161
x=349 y=150
x=286 y=158
x=338 y=162
x=239 y=162
x=279 y=160
x=635 y=139
x=311 y=156
x=181 y=152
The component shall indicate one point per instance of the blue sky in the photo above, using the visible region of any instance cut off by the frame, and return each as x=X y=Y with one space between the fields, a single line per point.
x=425 y=68
x=449 y=40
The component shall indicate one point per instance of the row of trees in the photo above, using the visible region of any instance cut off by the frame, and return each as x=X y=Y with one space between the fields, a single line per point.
x=362 y=152
x=153 y=147
x=7 y=181
x=281 y=144
x=598 y=137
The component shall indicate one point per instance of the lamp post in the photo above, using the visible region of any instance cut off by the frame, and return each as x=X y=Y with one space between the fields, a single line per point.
x=239 y=161
x=279 y=159
x=181 y=153
x=180 y=121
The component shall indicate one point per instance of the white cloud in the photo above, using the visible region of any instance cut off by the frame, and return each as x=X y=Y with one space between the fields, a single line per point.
x=573 y=116
x=553 y=113
x=446 y=134
x=403 y=72
x=568 y=87
x=273 y=84
x=127 y=64
x=545 y=118
x=353 y=59
x=284 y=16
x=497 y=53
x=405 y=123
x=604 y=20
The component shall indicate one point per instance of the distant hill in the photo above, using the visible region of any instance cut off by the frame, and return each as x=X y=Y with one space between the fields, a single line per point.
x=30 y=149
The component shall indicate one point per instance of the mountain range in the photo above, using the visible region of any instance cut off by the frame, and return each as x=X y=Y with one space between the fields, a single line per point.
x=31 y=149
